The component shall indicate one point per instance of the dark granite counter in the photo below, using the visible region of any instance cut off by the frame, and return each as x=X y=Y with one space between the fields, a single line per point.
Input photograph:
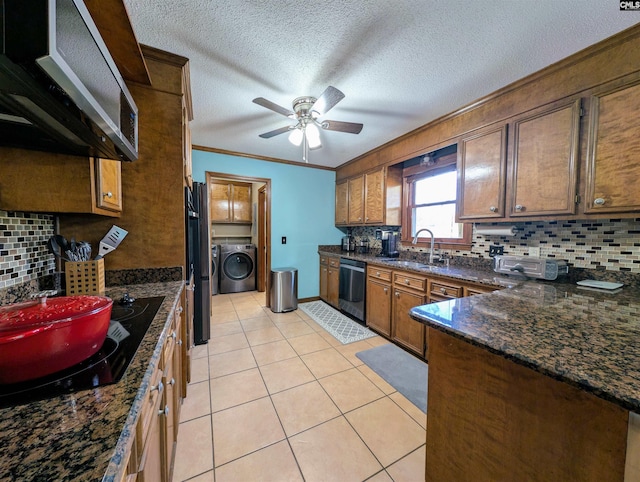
x=584 y=337
x=85 y=436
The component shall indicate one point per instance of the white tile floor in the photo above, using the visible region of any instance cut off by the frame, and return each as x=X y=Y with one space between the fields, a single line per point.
x=274 y=397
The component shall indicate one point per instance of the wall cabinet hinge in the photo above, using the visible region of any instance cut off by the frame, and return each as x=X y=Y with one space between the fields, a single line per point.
x=581 y=112
x=577 y=200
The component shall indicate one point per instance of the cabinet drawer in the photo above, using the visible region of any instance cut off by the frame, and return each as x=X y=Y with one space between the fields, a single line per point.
x=324 y=260
x=442 y=290
x=379 y=273
x=477 y=290
x=410 y=281
x=149 y=410
x=334 y=262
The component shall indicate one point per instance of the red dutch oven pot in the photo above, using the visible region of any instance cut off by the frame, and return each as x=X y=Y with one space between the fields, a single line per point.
x=38 y=338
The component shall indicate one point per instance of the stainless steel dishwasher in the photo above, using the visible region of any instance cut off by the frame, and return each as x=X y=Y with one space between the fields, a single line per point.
x=351 y=297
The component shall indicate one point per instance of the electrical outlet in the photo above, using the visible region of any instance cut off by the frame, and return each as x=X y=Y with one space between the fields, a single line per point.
x=496 y=251
x=534 y=252
x=284 y=240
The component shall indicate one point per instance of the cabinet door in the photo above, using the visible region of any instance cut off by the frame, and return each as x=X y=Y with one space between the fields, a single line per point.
x=613 y=169
x=374 y=197
x=151 y=462
x=356 y=200
x=241 y=195
x=406 y=331
x=219 y=201
x=481 y=174
x=342 y=202
x=323 y=283
x=333 y=285
x=545 y=162
x=109 y=184
x=379 y=306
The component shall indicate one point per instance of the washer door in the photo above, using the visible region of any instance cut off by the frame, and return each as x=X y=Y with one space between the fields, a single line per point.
x=237 y=266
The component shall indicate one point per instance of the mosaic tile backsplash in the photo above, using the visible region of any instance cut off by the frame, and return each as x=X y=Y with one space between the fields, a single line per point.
x=612 y=244
x=23 y=247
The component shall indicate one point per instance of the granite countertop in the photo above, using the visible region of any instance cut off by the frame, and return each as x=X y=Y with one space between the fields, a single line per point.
x=587 y=338
x=482 y=275
x=85 y=435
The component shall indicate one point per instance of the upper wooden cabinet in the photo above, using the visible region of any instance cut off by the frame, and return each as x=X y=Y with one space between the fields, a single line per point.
x=230 y=202
x=33 y=181
x=342 y=202
x=482 y=164
x=613 y=169
x=372 y=198
x=356 y=200
x=544 y=166
x=109 y=184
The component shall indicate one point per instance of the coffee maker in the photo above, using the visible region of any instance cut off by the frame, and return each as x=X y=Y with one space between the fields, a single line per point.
x=389 y=243
x=348 y=242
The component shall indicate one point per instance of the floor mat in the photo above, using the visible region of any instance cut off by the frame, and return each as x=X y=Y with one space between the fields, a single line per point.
x=343 y=328
x=402 y=371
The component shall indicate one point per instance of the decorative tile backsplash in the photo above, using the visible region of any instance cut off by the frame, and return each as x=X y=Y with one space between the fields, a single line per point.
x=23 y=247
x=602 y=244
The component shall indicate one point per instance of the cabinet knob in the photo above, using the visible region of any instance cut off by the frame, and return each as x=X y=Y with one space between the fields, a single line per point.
x=179 y=310
x=378 y=273
x=493 y=209
x=360 y=218
x=158 y=387
x=599 y=201
x=164 y=411
x=366 y=219
x=519 y=207
x=173 y=335
x=386 y=290
x=179 y=342
x=406 y=281
x=443 y=290
x=107 y=194
x=397 y=294
x=172 y=382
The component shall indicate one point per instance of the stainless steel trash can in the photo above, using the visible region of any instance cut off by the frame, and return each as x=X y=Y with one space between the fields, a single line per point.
x=284 y=290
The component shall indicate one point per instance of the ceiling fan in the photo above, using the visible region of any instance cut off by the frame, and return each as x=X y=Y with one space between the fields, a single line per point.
x=307 y=111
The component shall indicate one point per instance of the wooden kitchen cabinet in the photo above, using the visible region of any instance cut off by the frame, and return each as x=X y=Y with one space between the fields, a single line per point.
x=544 y=167
x=482 y=164
x=230 y=202
x=342 y=203
x=379 y=300
x=324 y=279
x=59 y=184
x=333 y=281
x=409 y=290
x=613 y=150
x=373 y=198
x=187 y=116
x=109 y=184
x=356 y=200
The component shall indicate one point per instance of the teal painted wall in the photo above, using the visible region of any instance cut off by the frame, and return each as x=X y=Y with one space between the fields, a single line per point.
x=302 y=209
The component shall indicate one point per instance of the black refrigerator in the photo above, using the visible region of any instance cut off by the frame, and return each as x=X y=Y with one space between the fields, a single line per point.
x=199 y=259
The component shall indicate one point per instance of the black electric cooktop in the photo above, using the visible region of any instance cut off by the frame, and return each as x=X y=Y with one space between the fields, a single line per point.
x=129 y=323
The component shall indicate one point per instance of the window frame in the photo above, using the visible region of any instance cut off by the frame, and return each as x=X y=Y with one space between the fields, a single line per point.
x=410 y=176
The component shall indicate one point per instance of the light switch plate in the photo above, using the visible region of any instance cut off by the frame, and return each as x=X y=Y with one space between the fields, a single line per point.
x=534 y=252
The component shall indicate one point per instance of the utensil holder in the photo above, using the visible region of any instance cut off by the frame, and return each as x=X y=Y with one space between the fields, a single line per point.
x=84 y=277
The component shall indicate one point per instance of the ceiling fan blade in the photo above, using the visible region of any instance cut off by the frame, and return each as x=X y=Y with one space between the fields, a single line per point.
x=276 y=132
x=274 y=107
x=349 y=127
x=327 y=100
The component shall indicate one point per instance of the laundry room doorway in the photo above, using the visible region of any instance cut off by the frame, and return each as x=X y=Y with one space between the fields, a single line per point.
x=240 y=214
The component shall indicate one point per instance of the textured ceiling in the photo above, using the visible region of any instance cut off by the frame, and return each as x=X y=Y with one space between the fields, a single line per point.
x=400 y=63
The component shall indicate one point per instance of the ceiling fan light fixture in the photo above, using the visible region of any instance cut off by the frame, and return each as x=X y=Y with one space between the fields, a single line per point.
x=296 y=135
x=313 y=136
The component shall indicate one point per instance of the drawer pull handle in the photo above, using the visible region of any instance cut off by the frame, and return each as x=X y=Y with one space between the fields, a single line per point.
x=107 y=194
x=164 y=411
x=386 y=290
x=172 y=382
x=179 y=310
x=397 y=294
x=378 y=273
x=406 y=281
x=599 y=201
x=519 y=207
x=158 y=387
x=493 y=209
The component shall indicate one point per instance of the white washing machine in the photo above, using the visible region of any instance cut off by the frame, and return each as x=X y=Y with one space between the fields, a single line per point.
x=237 y=267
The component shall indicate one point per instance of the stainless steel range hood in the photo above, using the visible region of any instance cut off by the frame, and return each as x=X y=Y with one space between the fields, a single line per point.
x=60 y=90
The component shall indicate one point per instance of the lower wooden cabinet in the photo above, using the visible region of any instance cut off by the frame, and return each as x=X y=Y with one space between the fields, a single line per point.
x=330 y=279
x=406 y=331
x=379 y=300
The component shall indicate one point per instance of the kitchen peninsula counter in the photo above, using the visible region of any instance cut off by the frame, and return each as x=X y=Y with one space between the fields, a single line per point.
x=85 y=436
x=542 y=377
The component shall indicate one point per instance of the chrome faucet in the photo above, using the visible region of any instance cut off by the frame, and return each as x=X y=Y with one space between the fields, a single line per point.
x=415 y=240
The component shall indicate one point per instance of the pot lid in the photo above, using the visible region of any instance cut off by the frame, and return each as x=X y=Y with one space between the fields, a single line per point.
x=19 y=316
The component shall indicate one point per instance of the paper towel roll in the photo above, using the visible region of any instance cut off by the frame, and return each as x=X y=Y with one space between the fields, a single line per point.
x=496 y=230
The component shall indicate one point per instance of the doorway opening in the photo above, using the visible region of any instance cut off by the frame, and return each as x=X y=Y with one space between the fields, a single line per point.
x=240 y=213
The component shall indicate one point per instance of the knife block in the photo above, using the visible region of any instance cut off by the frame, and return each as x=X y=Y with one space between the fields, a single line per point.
x=84 y=277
